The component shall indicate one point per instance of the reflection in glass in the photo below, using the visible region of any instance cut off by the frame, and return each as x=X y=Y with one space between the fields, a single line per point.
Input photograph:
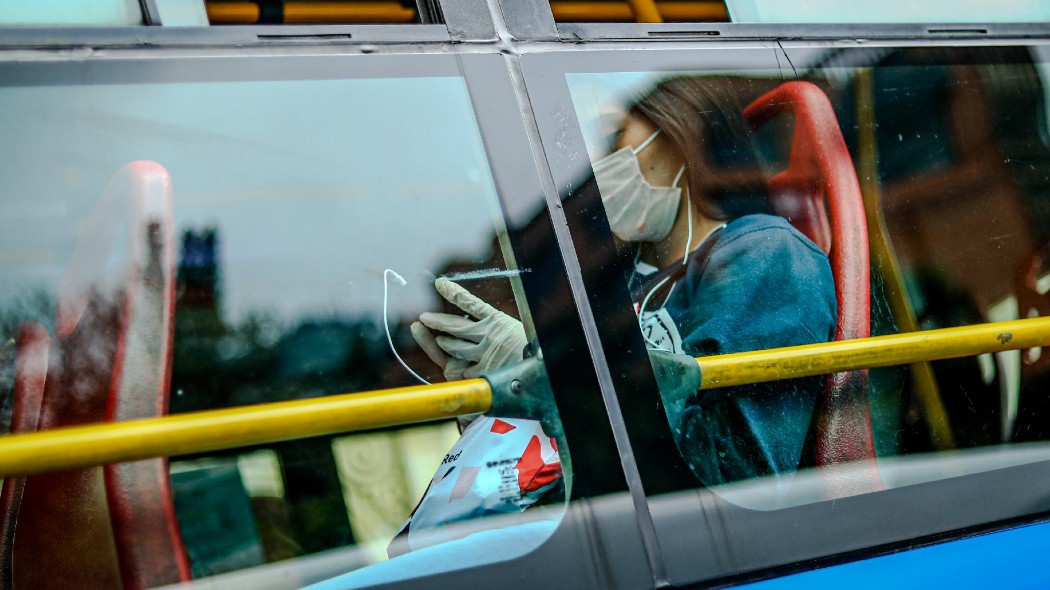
x=283 y=225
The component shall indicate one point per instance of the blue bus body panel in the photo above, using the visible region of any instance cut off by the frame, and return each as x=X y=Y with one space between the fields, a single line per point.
x=1015 y=559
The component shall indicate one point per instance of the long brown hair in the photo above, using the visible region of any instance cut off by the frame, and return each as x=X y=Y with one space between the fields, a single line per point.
x=703 y=115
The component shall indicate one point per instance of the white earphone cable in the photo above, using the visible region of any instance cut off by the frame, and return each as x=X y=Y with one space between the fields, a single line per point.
x=386 y=323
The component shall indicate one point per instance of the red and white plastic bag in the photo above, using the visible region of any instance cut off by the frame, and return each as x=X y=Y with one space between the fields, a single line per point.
x=498 y=466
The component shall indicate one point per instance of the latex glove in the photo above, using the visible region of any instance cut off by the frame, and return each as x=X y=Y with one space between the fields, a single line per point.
x=467 y=347
x=452 y=368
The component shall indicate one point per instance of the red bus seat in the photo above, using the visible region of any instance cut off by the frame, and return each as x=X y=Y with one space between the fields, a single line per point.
x=109 y=527
x=820 y=177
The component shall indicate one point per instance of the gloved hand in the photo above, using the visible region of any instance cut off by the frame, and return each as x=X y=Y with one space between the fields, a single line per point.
x=452 y=368
x=466 y=347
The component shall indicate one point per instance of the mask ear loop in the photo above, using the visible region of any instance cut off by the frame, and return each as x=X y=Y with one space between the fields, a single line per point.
x=689 y=218
x=645 y=143
x=688 y=213
x=401 y=282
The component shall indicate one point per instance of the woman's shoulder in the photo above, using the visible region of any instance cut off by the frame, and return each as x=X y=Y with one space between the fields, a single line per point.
x=765 y=230
x=765 y=245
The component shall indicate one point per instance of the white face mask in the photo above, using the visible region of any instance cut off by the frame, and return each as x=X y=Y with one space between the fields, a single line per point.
x=637 y=211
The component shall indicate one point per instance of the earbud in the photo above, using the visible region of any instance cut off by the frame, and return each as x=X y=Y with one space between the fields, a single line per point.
x=400 y=280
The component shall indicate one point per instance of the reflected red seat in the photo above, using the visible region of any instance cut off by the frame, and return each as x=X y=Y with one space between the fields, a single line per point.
x=32 y=345
x=820 y=195
x=109 y=527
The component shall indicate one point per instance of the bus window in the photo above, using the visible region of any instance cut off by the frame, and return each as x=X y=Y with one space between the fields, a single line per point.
x=73 y=12
x=768 y=11
x=755 y=11
x=806 y=195
x=226 y=12
x=202 y=13
x=292 y=233
x=642 y=11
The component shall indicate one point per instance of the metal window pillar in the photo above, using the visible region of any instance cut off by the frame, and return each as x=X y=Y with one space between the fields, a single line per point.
x=480 y=20
x=150 y=13
x=529 y=20
x=469 y=20
x=429 y=12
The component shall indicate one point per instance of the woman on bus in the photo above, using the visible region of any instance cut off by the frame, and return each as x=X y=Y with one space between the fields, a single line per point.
x=703 y=280
x=707 y=280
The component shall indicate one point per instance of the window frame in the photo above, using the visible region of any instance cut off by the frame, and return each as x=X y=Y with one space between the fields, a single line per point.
x=524 y=31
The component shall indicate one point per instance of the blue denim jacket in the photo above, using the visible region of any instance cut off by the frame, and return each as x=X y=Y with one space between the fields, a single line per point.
x=762 y=284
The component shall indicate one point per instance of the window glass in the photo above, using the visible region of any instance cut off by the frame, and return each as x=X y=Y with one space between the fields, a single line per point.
x=283 y=236
x=182 y=13
x=598 y=11
x=713 y=161
x=894 y=11
x=225 y=12
x=71 y=12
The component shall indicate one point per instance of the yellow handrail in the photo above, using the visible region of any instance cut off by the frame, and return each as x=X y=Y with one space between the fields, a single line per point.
x=195 y=432
x=645 y=11
x=98 y=444
x=885 y=258
x=881 y=351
